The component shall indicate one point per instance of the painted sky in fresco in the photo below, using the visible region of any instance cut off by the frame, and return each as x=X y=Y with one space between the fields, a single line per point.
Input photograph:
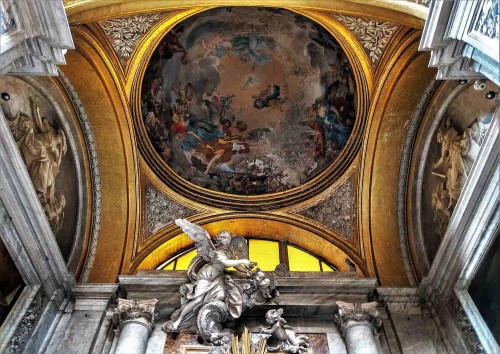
x=248 y=100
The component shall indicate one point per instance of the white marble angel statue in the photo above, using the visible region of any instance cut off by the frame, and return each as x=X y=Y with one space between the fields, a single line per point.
x=212 y=289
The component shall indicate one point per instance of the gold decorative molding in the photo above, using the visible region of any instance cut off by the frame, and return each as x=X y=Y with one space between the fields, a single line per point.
x=403 y=12
x=399 y=87
x=273 y=226
x=89 y=66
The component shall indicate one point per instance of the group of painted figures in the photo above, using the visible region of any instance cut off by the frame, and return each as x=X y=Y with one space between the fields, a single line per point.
x=215 y=136
x=209 y=134
x=213 y=297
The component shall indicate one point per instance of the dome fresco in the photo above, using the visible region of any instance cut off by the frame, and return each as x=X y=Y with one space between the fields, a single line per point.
x=248 y=101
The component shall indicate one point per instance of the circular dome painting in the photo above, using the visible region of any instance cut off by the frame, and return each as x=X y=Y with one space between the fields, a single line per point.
x=248 y=101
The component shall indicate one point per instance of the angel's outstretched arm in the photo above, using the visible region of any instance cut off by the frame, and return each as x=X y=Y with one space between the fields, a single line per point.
x=236 y=262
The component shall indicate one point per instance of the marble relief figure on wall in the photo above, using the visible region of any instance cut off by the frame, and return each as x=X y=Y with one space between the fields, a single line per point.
x=460 y=128
x=458 y=153
x=248 y=100
x=42 y=147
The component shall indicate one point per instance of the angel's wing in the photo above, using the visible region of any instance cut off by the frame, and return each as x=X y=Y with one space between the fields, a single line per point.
x=199 y=235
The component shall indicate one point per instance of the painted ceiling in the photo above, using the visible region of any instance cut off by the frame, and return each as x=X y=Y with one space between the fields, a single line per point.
x=276 y=124
x=246 y=100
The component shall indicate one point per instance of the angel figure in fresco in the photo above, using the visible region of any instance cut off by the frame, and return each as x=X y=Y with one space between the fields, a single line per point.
x=212 y=293
x=170 y=45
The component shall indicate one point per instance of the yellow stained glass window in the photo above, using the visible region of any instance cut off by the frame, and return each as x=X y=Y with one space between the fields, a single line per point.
x=184 y=260
x=300 y=261
x=170 y=266
x=265 y=253
x=326 y=267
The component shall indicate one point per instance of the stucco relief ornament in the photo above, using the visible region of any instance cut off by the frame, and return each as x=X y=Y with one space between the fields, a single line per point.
x=213 y=297
x=42 y=149
x=160 y=210
x=337 y=211
x=372 y=34
x=282 y=336
x=126 y=31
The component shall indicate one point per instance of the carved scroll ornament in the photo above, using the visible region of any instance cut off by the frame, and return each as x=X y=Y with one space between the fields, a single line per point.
x=352 y=314
x=129 y=310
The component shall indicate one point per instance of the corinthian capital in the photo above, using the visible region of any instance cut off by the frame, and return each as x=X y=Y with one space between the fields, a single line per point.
x=355 y=314
x=141 y=311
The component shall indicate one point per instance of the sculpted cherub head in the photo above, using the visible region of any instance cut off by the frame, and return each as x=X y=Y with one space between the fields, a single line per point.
x=223 y=238
x=273 y=316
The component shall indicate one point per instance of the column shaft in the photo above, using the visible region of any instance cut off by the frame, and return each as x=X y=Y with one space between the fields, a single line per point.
x=136 y=321
x=358 y=323
x=133 y=338
x=359 y=339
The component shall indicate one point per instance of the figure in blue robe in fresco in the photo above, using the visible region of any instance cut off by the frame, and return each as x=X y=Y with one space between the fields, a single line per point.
x=336 y=129
x=269 y=97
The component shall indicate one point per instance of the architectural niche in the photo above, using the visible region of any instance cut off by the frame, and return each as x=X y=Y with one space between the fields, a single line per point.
x=125 y=32
x=404 y=171
x=337 y=210
x=372 y=34
x=160 y=210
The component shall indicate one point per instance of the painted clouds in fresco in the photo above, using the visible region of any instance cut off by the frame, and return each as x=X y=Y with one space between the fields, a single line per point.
x=248 y=100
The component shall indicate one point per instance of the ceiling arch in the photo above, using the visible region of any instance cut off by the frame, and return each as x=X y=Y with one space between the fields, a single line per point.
x=329 y=247
x=403 y=12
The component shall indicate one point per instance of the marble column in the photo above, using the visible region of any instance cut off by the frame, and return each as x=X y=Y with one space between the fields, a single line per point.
x=358 y=324
x=136 y=321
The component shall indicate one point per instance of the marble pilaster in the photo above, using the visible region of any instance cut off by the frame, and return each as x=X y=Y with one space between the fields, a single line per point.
x=136 y=321
x=358 y=324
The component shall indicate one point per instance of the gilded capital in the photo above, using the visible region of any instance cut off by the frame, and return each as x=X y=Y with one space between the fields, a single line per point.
x=356 y=314
x=140 y=311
